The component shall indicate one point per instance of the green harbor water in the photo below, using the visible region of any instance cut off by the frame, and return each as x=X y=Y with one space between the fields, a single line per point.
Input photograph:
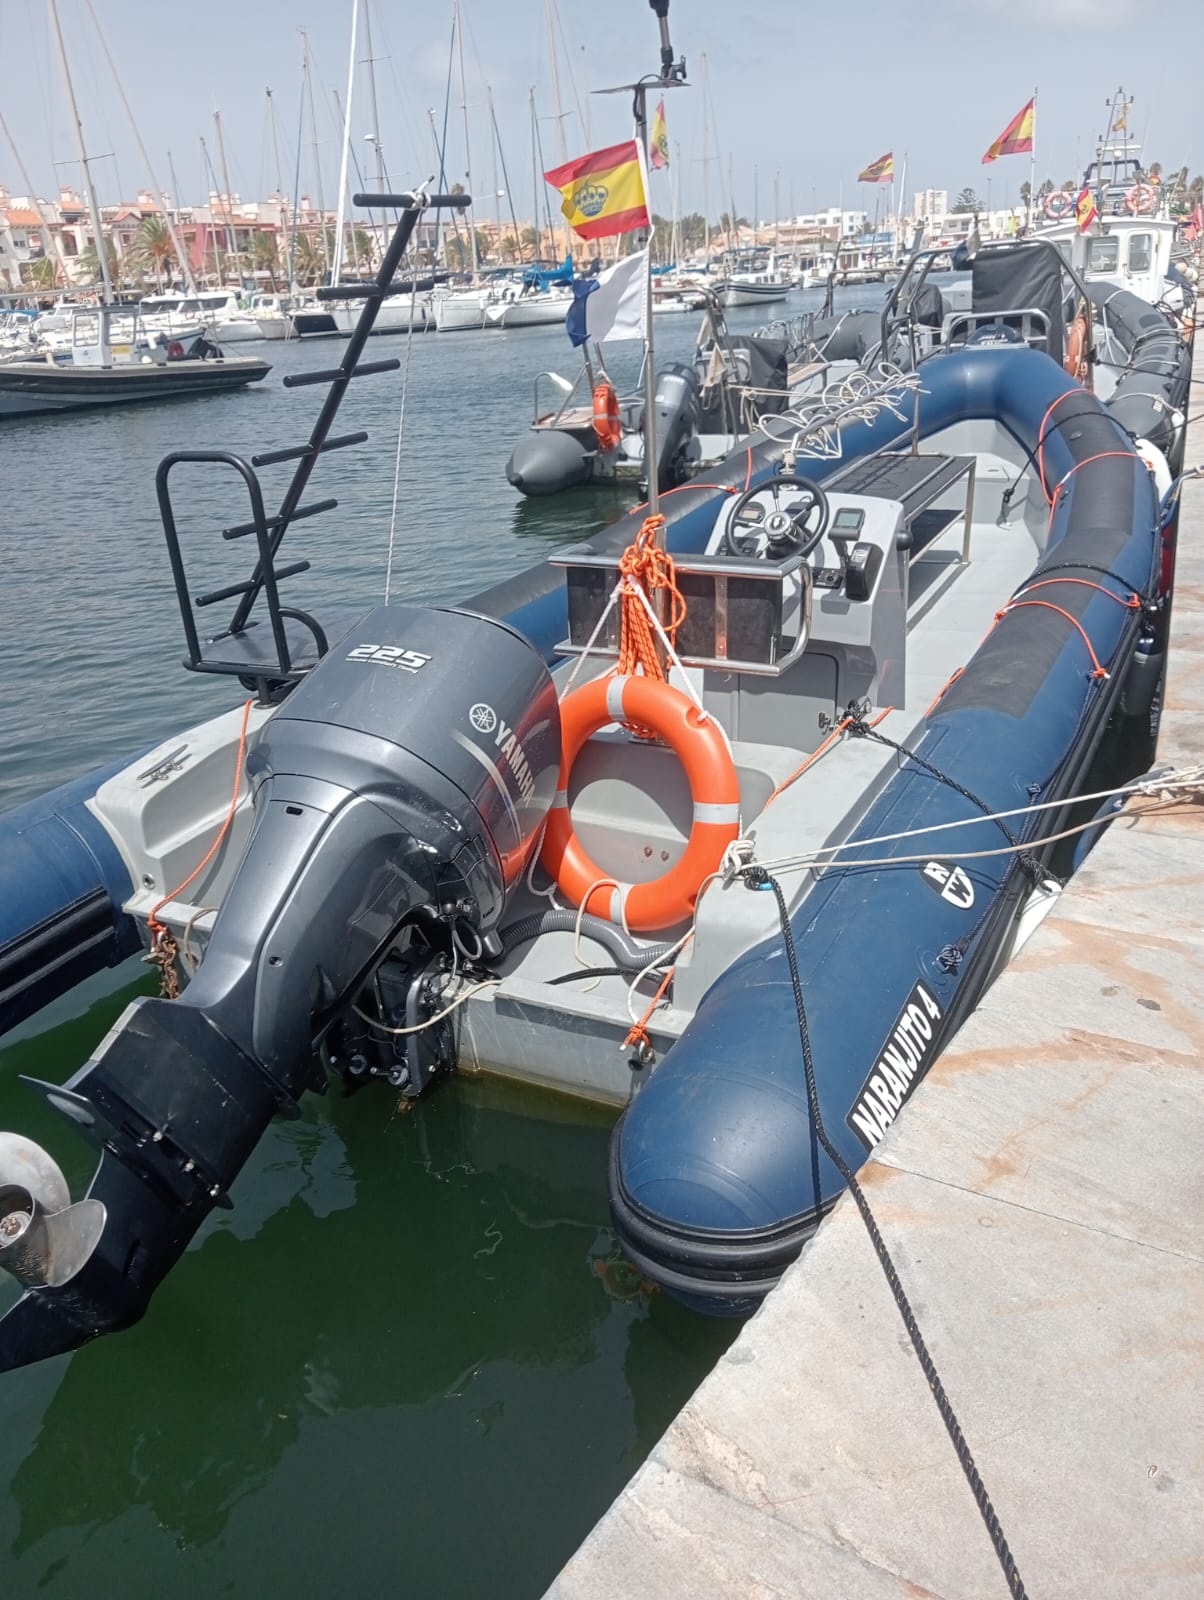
x=410 y=1362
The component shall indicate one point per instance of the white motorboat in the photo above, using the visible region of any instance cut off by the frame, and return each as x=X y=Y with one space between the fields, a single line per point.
x=752 y=280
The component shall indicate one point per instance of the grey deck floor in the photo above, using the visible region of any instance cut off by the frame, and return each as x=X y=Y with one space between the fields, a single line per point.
x=1043 y=1200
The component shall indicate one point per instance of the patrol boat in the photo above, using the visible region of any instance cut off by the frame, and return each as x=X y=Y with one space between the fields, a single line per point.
x=820 y=720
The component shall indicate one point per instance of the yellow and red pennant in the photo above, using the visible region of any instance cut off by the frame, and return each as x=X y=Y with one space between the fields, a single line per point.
x=1017 y=138
x=603 y=193
x=880 y=171
x=658 y=141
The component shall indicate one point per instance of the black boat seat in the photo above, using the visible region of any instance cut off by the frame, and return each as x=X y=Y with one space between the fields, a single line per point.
x=916 y=482
x=252 y=653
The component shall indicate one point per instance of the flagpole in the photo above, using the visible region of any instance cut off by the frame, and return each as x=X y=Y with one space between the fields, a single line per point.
x=641 y=139
x=1032 y=168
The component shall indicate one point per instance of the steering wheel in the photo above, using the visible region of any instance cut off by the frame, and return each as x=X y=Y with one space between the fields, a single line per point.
x=787 y=529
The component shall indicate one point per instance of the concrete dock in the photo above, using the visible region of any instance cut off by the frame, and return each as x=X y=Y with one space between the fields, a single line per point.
x=1043 y=1201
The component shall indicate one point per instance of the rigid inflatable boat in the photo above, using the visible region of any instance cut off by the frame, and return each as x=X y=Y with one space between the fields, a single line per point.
x=892 y=641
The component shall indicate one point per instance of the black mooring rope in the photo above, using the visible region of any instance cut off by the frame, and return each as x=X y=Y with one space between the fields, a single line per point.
x=757 y=877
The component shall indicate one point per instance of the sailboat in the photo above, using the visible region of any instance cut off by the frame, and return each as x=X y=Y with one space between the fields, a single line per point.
x=112 y=359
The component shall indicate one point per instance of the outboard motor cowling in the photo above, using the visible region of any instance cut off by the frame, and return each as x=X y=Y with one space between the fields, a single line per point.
x=676 y=405
x=399 y=791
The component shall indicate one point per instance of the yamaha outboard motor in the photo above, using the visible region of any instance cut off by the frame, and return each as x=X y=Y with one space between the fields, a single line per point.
x=676 y=406
x=398 y=793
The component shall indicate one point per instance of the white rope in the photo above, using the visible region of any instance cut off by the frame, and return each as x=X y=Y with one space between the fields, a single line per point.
x=466 y=994
x=401 y=425
x=1162 y=786
x=656 y=964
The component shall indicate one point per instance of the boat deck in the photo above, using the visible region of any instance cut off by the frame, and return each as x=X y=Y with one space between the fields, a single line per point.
x=1042 y=1201
x=953 y=602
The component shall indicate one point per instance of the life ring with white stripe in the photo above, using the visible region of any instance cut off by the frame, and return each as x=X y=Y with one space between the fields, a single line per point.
x=1141 y=200
x=1058 y=205
x=699 y=745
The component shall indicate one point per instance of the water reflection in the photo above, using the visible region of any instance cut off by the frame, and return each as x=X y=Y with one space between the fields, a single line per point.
x=436 y=1294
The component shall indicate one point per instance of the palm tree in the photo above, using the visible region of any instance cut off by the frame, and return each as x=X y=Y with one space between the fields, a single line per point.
x=153 y=247
x=38 y=273
x=265 y=257
x=361 y=243
x=90 y=262
x=530 y=241
x=310 y=258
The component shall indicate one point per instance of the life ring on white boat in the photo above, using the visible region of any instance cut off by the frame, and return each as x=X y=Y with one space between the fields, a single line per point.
x=1141 y=200
x=1058 y=205
x=608 y=422
x=699 y=745
x=1076 y=348
x=175 y=350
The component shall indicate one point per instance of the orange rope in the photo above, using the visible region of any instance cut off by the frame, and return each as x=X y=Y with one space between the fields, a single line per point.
x=724 y=488
x=1015 y=605
x=1133 y=603
x=810 y=761
x=644 y=565
x=1086 y=462
x=944 y=689
x=157 y=930
x=1041 y=436
x=820 y=750
x=638 y=1033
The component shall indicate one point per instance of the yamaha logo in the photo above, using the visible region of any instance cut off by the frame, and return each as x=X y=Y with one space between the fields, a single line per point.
x=482 y=717
x=591 y=199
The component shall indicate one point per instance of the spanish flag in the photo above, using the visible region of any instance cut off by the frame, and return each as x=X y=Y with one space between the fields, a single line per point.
x=658 y=144
x=1017 y=137
x=1084 y=209
x=603 y=193
x=880 y=171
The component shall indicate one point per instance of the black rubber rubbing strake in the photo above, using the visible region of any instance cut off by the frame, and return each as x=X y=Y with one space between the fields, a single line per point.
x=757 y=877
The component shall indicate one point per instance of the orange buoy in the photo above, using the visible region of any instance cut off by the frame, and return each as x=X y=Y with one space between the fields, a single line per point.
x=699 y=745
x=608 y=423
x=1076 y=348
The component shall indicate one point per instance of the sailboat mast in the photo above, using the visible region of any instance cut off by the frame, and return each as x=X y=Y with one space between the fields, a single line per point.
x=52 y=245
x=501 y=155
x=370 y=63
x=211 y=185
x=470 y=219
x=558 y=111
x=284 y=233
x=534 y=184
x=497 y=193
x=231 y=241
x=337 y=264
x=706 y=168
x=156 y=189
x=89 y=186
x=313 y=130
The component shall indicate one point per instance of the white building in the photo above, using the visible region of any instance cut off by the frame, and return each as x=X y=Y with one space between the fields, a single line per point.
x=930 y=203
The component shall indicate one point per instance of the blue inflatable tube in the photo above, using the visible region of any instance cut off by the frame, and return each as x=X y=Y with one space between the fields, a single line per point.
x=716 y=1176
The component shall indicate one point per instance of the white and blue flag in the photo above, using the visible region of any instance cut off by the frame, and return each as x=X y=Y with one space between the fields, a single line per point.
x=614 y=305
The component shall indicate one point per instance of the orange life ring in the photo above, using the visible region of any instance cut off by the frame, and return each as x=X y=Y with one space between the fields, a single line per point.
x=608 y=424
x=1058 y=205
x=1141 y=200
x=714 y=785
x=1076 y=348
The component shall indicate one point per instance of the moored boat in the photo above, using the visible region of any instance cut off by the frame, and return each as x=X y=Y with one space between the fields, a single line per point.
x=932 y=628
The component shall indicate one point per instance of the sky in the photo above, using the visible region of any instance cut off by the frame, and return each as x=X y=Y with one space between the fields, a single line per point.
x=803 y=95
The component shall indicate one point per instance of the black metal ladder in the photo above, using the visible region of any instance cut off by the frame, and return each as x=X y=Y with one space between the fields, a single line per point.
x=273 y=659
